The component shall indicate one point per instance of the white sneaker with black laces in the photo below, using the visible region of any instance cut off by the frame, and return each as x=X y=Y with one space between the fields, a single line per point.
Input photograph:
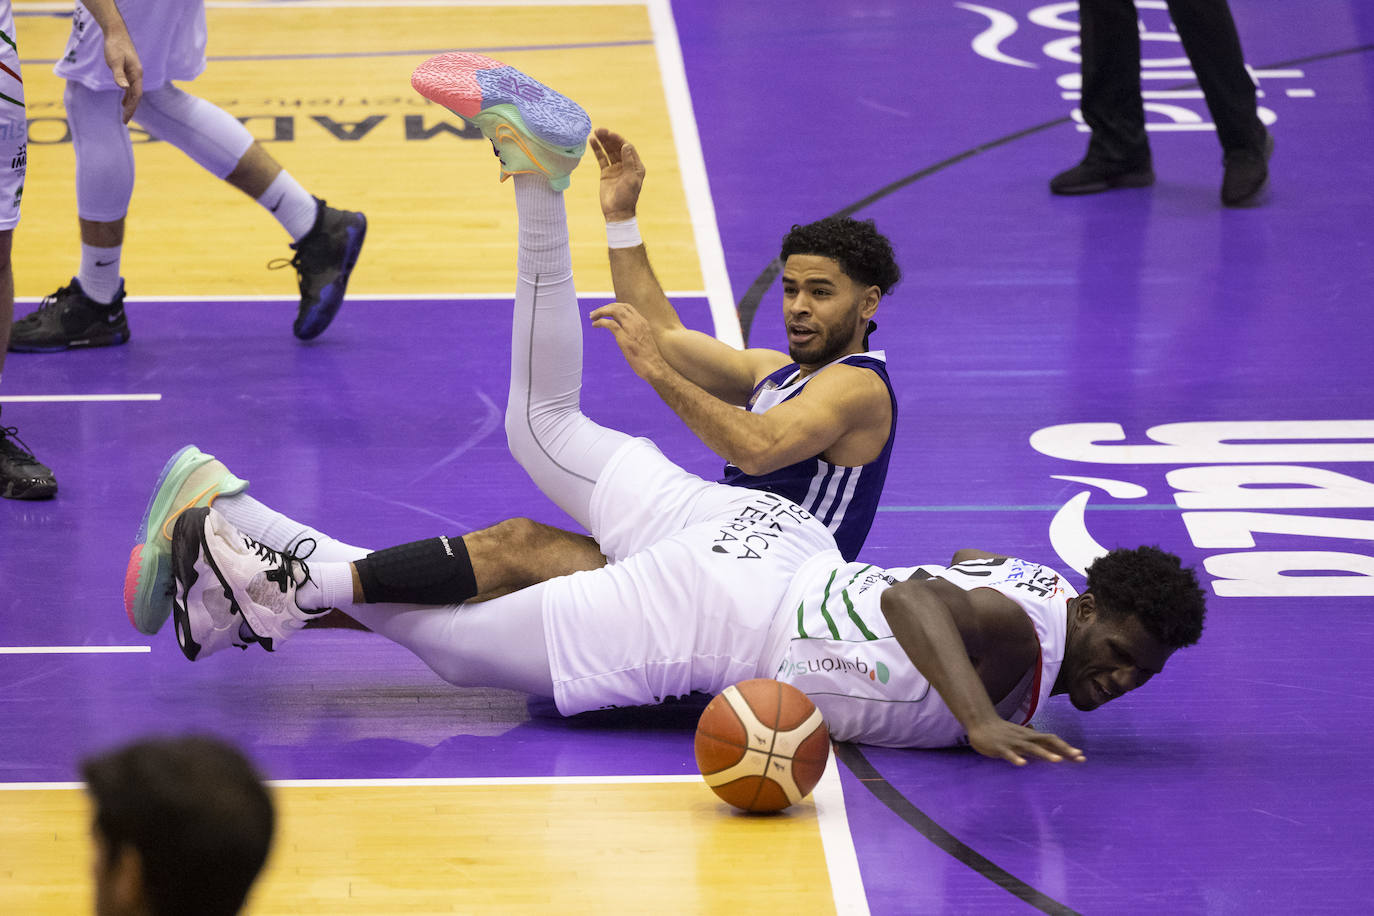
x=225 y=578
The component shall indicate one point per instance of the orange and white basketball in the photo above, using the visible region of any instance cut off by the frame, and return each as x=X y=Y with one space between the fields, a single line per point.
x=762 y=745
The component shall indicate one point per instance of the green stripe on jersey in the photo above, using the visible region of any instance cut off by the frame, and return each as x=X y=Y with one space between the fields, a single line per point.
x=849 y=605
x=9 y=41
x=6 y=98
x=829 y=622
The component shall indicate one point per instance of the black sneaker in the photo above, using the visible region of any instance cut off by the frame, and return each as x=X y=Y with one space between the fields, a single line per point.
x=1092 y=176
x=22 y=476
x=324 y=258
x=69 y=319
x=1247 y=171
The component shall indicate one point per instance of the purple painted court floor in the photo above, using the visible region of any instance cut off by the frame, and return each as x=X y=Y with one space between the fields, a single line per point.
x=1142 y=366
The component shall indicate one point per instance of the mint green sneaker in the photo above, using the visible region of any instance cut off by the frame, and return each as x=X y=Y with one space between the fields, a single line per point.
x=531 y=127
x=190 y=478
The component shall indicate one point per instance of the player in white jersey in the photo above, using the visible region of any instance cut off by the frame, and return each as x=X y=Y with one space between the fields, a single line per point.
x=710 y=584
x=171 y=38
x=22 y=476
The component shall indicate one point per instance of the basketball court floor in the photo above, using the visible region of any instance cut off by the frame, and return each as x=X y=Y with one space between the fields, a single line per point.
x=1074 y=374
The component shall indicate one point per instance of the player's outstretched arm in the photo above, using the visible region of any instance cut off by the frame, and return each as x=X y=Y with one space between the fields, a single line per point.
x=942 y=628
x=720 y=369
x=830 y=407
x=120 y=55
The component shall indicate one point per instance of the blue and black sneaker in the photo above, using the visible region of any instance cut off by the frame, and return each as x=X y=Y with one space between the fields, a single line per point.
x=324 y=260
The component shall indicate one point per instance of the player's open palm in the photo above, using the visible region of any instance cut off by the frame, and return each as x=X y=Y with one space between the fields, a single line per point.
x=622 y=174
x=1009 y=741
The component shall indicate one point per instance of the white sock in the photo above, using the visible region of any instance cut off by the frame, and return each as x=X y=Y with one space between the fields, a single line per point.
x=291 y=204
x=330 y=585
x=99 y=273
x=268 y=526
x=543 y=238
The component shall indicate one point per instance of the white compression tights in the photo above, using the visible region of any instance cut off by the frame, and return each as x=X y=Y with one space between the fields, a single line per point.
x=212 y=137
x=499 y=643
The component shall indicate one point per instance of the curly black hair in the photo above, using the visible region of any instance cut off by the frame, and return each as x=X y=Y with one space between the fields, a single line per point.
x=1153 y=586
x=863 y=253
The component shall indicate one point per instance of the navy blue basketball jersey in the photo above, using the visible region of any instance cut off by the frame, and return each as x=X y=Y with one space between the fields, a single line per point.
x=844 y=499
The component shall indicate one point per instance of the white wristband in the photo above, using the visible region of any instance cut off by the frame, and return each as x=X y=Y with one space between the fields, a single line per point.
x=623 y=234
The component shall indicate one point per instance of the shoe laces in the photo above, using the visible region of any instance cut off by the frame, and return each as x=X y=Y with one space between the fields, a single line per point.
x=284 y=561
x=51 y=303
x=8 y=436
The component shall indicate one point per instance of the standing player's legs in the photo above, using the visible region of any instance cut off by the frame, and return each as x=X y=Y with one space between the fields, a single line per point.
x=21 y=475
x=326 y=240
x=89 y=311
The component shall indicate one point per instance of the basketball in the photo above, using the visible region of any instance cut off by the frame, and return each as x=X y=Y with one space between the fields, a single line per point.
x=761 y=745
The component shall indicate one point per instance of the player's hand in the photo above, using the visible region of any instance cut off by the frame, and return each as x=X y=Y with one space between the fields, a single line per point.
x=622 y=174
x=1009 y=741
x=126 y=69
x=634 y=336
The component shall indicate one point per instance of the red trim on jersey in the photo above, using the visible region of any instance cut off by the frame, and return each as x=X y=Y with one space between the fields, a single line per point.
x=11 y=73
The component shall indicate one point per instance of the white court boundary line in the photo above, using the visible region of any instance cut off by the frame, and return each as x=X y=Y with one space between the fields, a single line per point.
x=841 y=858
x=71 y=650
x=33 y=398
x=692 y=165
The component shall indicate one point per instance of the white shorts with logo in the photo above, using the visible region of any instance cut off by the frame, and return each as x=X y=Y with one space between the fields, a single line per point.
x=169 y=35
x=14 y=130
x=695 y=598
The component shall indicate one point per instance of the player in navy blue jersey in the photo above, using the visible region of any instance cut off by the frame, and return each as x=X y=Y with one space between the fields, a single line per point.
x=820 y=418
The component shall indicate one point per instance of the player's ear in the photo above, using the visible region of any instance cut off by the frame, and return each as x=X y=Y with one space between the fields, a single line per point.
x=869 y=302
x=1087 y=607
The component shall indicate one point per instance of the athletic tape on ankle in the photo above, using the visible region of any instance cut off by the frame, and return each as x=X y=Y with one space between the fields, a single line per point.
x=432 y=571
x=624 y=233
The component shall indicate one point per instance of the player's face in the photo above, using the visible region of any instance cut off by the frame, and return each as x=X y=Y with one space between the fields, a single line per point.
x=824 y=311
x=1109 y=655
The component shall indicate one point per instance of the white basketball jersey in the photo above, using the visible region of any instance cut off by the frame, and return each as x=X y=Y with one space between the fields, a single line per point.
x=843 y=655
x=169 y=36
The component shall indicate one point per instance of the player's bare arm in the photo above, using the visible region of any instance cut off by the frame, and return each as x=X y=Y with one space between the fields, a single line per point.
x=717 y=367
x=972 y=646
x=843 y=414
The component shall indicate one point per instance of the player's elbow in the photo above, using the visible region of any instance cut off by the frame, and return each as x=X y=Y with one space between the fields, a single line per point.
x=757 y=459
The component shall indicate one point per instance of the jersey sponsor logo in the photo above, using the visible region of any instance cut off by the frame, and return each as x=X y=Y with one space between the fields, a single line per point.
x=1172 y=100
x=1259 y=495
x=1040 y=581
x=793 y=668
x=757 y=526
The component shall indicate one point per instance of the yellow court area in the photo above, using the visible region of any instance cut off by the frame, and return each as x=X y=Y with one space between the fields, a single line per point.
x=327 y=90
x=575 y=847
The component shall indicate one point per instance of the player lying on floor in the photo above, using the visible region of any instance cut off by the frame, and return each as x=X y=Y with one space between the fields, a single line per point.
x=708 y=584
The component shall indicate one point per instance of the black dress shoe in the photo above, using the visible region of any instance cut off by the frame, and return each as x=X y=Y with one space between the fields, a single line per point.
x=1247 y=170
x=1092 y=176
